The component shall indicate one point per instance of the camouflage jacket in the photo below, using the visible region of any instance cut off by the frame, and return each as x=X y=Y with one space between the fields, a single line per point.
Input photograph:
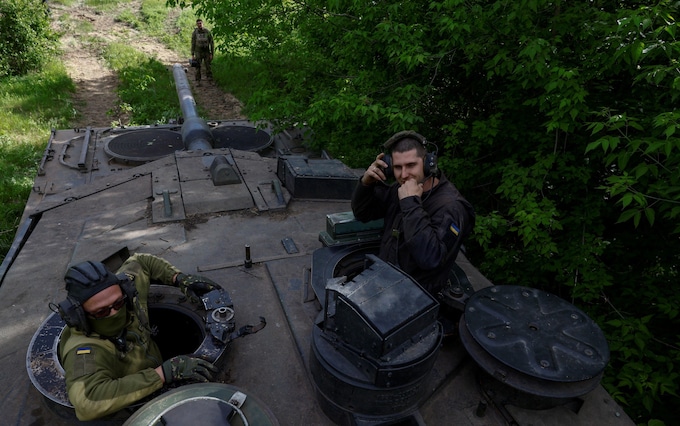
x=100 y=379
x=202 y=41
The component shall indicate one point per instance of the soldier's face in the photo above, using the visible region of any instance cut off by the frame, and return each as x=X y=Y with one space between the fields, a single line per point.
x=407 y=165
x=105 y=303
x=199 y=24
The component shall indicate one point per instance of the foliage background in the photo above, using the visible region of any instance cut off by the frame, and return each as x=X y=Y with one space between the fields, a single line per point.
x=26 y=41
x=557 y=119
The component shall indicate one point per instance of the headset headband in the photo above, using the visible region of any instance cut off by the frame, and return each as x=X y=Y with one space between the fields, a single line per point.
x=429 y=162
x=403 y=135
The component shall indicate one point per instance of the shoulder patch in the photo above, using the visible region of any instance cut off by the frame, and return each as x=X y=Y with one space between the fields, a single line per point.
x=454 y=228
x=130 y=276
x=85 y=361
x=451 y=236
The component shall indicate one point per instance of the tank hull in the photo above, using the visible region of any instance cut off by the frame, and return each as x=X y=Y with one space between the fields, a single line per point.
x=169 y=207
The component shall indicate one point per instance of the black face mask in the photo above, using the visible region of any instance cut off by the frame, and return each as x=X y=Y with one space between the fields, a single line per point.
x=110 y=326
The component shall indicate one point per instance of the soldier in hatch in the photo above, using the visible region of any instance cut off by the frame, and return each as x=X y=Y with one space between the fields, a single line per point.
x=426 y=217
x=107 y=352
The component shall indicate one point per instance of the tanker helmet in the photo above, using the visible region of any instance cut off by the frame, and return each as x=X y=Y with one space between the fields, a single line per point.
x=86 y=279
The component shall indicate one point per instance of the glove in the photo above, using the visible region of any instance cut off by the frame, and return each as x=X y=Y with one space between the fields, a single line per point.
x=195 y=284
x=183 y=367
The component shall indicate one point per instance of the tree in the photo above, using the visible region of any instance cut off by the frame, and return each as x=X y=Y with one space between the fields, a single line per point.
x=26 y=40
x=556 y=119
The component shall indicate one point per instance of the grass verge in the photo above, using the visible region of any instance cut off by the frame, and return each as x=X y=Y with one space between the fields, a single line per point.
x=30 y=106
x=146 y=91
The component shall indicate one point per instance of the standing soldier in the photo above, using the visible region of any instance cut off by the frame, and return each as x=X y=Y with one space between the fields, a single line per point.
x=202 y=49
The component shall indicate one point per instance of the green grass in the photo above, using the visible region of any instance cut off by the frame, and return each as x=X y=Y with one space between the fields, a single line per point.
x=147 y=88
x=30 y=106
x=173 y=27
x=106 y=5
x=64 y=2
x=235 y=74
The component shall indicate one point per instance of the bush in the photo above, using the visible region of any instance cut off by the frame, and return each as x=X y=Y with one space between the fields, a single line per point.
x=26 y=40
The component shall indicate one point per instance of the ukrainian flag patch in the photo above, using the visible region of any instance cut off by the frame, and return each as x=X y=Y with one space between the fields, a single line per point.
x=453 y=228
x=84 y=362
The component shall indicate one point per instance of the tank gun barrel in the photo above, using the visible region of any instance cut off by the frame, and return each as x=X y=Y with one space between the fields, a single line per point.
x=196 y=134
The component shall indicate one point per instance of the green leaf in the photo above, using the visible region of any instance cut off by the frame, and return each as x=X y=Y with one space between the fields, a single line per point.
x=641 y=170
x=650 y=214
x=595 y=127
x=593 y=145
x=670 y=131
x=629 y=214
x=648 y=402
x=626 y=199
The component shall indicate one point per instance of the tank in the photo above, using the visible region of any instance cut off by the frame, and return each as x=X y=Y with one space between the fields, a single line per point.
x=311 y=328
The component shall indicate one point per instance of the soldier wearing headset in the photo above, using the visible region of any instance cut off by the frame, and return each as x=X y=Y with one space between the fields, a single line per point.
x=426 y=217
x=109 y=358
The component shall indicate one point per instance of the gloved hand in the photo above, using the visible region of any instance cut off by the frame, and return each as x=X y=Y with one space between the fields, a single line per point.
x=195 y=284
x=184 y=367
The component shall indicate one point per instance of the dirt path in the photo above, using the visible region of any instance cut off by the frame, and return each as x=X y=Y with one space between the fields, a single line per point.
x=86 y=31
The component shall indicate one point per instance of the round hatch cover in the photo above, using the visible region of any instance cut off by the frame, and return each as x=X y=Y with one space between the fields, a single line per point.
x=206 y=404
x=144 y=145
x=241 y=137
x=533 y=332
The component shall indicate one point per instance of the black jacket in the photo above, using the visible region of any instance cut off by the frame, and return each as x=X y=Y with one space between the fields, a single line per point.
x=422 y=235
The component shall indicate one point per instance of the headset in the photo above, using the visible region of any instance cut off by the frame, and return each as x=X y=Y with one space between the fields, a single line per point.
x=73 y=314
x=429 y=162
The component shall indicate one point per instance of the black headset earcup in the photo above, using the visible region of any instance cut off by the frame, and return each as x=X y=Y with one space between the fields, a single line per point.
x=73 y=315
x=430 y=166
x=387 y=158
